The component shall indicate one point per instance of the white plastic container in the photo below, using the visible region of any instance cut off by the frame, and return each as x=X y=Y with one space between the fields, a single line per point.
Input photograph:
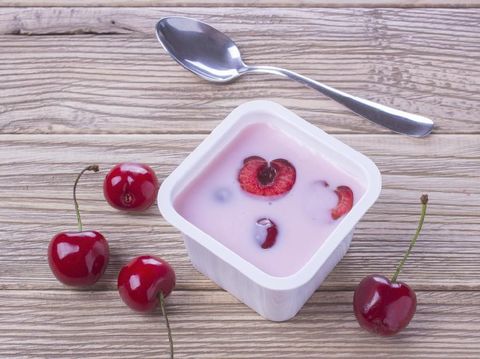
x=275 y=298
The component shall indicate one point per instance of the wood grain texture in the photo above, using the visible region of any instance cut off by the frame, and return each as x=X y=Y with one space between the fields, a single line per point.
x=90 y=84
x=51 y=324
x=113 y=77
x=249 y=3
x=37 y=172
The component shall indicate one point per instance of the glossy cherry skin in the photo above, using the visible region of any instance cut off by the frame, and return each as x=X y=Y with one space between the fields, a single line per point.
x=78 y=258
x=141 y=281
x=383 y=307
x=130 y=187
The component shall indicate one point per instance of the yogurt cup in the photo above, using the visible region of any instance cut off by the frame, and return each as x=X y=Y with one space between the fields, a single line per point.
x=276 y=298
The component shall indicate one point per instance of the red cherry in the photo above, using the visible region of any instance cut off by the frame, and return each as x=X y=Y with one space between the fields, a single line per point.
x=383 y=307
x=141 y=281
x=78 y=258
x=130 y=186
x=144 y=283
x=345 y=201
x=259 y=177
x=386 y=307
x=266 y=233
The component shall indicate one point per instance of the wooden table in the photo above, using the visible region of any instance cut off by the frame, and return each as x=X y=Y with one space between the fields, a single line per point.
x=85 y=81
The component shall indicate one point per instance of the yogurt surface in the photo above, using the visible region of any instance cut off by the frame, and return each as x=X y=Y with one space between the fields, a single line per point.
x=215 y=202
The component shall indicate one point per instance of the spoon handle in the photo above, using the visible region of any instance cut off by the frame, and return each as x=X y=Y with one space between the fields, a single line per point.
x=395 y=120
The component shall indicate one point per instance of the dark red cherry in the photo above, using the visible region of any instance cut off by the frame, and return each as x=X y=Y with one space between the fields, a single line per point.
x=141 y=282
x=130 y=187
x=78 y=258
x=259 y=177
x=383 y=307
x=144 y=283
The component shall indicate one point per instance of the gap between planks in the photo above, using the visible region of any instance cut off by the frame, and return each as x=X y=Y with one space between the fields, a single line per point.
x=248 y=3
x=207 y=132
x=218 y=289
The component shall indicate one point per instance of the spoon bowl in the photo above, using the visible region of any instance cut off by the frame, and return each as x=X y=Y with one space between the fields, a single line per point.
x=200 y=48
x=215 y=57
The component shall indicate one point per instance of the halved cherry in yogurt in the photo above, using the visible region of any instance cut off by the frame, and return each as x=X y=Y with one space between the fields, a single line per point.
x=345 y=202
x=263 y=178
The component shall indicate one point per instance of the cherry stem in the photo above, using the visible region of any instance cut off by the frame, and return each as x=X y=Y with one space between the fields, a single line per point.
x=169 y=331
x=93 y=168
x=424 y=201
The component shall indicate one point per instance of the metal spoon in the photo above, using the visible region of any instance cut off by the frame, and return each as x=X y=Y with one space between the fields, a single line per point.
x=213 y=56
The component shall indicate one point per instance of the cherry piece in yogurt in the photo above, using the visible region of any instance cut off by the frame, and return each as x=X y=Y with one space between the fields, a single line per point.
x=263 y=178
x=266 y=232
x=345 y=201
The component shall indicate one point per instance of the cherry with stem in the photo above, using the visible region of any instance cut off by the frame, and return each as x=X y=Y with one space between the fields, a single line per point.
x=144 y=283
x=78 y=258
x=383 y=306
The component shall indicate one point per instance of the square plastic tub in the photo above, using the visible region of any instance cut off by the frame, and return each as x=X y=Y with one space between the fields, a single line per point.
x=275 y=298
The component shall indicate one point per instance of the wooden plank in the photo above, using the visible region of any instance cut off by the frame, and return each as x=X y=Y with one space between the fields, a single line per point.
x=63 y=324
x=248 y=3
x=37 y=172
x=123 y=82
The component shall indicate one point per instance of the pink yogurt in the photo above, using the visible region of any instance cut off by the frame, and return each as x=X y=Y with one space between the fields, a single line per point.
x=216 y=204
